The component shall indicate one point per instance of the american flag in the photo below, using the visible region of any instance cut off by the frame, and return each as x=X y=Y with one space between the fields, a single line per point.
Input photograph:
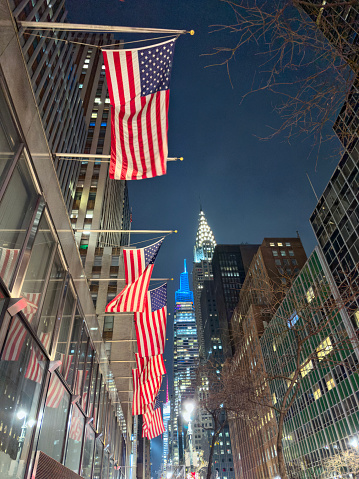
x=149 y=368
x=138 y=82
x=134 y=296
x=156 y=426
x=36 y=364
x=145 y=393
x=136 y=260
x=14 y=341
x=8 y=260
x=151 y=324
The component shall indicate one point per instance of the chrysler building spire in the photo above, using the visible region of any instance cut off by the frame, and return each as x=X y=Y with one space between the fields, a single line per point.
x=205 y=242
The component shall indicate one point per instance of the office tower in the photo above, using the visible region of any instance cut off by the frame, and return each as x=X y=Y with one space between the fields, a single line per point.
x=323 y=418
x=339 y=24
x=202 y=270
x=277 y=262
x=54 y=79
x=230 y=265
x=59 y=406
x=185 y=362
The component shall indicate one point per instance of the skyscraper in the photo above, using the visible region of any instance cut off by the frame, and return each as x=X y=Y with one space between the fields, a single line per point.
x=166 y=421
x=230 y=266
x=61 y=403
x=202 y=270
x=185 y=360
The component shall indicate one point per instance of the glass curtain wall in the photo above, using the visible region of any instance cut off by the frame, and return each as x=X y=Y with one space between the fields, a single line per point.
x=36 y=408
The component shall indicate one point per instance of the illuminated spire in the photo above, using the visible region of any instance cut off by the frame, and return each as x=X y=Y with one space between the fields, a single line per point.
x=167 y=399
x=205 y=242
x=184 y=294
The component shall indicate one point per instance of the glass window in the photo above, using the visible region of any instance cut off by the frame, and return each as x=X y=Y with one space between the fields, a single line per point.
x=37 y=270
x=75 y=440
x=283 y=253
x=51 y=301
x=81 y=363
x=310 y=294
x=306 y=368
x=275 y=252
x=55 y=418
x=87 y=376
x=324 y=348
x=98 y=459
x=64 y=335
x=291 y=253
x=22 y=370
x=92 y=388
x=16 y=210
x=88 y=452
x=71 y=358
x=9 y=138
x=105 y=465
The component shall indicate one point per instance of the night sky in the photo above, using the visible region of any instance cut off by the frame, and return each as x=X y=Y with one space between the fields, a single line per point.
x=249 y=189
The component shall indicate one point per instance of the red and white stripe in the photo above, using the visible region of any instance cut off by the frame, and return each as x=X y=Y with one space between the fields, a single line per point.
x=156 y=427
x=150 y=368
x=77 y=424
x=133 y=297
x=143 y=394
x=8 y=260
x=139 y=124
x=55 y=393
x=14 y=341
x=36 y=364
x=134 y=262
x=151 y=331
x=32 y=300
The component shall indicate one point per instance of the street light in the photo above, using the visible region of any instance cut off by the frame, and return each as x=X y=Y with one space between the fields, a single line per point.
x=189 y=407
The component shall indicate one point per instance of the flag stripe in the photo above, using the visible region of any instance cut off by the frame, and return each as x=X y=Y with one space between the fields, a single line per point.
x=15 y=341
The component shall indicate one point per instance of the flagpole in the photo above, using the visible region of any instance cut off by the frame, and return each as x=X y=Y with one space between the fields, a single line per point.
x=113 y=279
x=83 y=156
x=94 y=28
x=75 y=230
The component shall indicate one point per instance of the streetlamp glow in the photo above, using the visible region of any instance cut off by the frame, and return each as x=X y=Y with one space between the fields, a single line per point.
x=21 y=414
x=189 y=406
x=354 y=442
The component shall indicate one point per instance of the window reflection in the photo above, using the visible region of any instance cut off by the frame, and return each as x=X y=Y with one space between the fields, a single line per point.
x=22 y=370
x=9 y=138
x=88 y=452
x=37 y=270
x=51 y=302
x=16 y=210
x=54 y=419
x=76 y=331
x=65 y=330
x=75 y=440
x=98 y=459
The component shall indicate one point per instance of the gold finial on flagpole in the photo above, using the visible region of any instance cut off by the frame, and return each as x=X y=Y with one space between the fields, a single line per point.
x=181 y=158
x=175 y=231
x=191 y=32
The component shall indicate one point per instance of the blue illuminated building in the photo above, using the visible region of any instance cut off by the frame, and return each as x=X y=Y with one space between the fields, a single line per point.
x=185 y=360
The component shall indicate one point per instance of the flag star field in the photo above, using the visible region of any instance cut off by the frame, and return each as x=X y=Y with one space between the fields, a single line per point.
x=155 y=68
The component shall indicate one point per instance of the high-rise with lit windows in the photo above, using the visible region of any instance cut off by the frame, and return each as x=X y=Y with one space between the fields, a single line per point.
x=185 y=361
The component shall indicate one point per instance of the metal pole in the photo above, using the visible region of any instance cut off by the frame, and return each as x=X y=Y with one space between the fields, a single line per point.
x=111 y=279
x=95 y=28
x=114 y=231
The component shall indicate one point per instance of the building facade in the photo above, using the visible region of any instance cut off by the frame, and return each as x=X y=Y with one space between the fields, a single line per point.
x=230 y=265
x=59 y=403
x=324 y=417
x=273 y=268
